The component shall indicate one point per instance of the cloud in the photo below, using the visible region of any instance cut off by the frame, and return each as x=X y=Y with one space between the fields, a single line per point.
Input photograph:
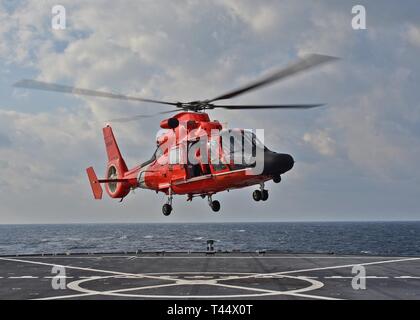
x=45 y=148
x=413 y=35
x=321 y=142
x=186 y=50
x=260 y=19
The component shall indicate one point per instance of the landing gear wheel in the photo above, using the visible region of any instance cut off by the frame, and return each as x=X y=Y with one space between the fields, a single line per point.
x=166 y=209
x=277 y=179
x=215 y=206
x=257 y=195
x=264 y=196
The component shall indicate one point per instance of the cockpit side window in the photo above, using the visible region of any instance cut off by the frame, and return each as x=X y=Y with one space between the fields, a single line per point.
x=251 y=137
x=240 y=146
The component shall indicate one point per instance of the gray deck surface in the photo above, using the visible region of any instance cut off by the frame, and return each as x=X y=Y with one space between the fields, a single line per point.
x=201 y=276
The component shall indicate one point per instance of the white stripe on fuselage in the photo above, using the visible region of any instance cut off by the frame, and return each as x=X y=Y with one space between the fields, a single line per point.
x=142 y=183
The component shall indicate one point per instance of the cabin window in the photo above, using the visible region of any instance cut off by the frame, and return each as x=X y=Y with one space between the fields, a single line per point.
x=215 y=156
x=174 y=157
x=194 y=164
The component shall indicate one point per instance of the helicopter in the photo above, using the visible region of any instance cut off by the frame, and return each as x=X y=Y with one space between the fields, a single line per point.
x=195 y=155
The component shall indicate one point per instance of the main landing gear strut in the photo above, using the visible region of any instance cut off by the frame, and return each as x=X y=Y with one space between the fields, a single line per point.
x=167 y=207
x=257 y=195
x=261 y=194
x=214 y=205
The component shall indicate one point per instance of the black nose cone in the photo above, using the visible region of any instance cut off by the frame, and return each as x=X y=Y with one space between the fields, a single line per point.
x=277 y=163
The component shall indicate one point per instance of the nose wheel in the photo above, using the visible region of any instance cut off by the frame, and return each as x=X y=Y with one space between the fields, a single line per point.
x=260 y=195
x=277 y=179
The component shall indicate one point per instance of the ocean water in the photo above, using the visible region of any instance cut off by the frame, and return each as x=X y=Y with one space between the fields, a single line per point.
x=370 y=238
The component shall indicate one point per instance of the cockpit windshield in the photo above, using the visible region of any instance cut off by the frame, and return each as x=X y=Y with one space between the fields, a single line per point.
x=241 y=147
x=251 y=137
x=237 y=140
x=159 y=152
x=156 y=155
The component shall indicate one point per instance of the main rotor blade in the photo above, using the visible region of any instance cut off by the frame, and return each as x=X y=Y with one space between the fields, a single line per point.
x=39 y=85
x=302 y=64
x=138 y=117
x=279 y=106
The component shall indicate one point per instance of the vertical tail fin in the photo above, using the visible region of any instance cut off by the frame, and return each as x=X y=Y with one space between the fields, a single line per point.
x=116 y=184
x=112 y=150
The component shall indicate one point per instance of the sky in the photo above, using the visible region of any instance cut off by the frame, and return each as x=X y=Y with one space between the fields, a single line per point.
x=356 y=158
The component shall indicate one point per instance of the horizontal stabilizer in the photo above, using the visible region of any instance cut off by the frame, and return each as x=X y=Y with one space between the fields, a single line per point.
x=94 y=183
x=112 y=180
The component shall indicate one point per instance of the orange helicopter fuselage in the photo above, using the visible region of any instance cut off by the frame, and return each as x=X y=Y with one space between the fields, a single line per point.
x=161 y=174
